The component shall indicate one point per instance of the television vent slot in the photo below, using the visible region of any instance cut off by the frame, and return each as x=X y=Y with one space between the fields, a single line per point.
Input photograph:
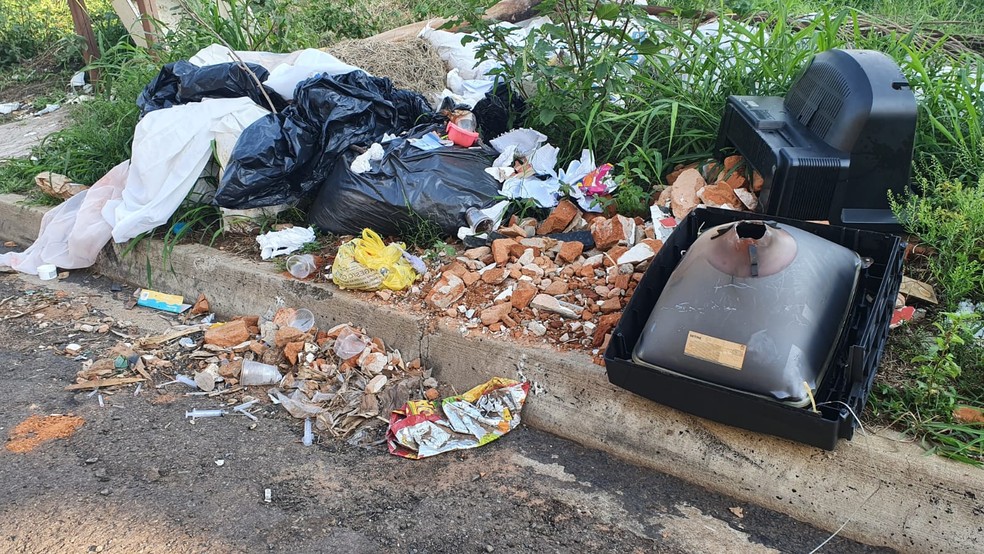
x=817 y=98
x=814 y=190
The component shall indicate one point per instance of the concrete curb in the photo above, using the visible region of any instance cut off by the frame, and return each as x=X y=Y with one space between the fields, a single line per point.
x=892 y=492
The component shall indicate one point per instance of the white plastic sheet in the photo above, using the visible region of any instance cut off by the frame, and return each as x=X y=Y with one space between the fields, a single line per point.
x=170 y=149
x=286 y=70
x=72 y=233
x=308 y=63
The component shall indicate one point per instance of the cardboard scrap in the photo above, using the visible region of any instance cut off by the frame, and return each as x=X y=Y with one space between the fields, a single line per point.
x=159 y=301
x=918 y=289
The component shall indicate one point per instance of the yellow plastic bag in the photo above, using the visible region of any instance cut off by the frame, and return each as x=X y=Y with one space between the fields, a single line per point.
x=368 y=264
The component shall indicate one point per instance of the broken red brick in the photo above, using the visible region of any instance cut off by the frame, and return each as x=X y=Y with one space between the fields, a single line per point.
x=719 y=194
x=228 y=334
x=523 y=294
x=446 y=291
x=570 y=251
x=559 y=218
x=494 y=276
x=494 y=314
x=500 y=250
x=292 y=349
x=683 y=193
x=605 y=325
x=556 y=288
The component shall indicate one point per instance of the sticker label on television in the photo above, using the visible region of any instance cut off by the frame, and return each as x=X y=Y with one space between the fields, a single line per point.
x=714 y=350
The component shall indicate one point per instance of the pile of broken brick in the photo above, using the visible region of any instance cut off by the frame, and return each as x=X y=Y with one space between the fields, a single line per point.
x=569 y=293
x=711 y=183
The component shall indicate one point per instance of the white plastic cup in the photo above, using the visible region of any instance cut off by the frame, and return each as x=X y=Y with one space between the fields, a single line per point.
x=47 y=272
x=303 y=320
x=301 y=265
x=256 y=373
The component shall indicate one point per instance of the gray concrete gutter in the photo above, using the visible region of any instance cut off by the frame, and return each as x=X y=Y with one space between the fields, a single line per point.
x=889 y=492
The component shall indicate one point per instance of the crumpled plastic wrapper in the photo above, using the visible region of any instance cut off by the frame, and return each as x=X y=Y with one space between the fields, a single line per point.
x=285 y=241
x=423 y=428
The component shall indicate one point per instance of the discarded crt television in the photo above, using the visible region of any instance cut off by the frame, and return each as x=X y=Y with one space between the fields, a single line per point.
x=723 y=331
x=835 y=145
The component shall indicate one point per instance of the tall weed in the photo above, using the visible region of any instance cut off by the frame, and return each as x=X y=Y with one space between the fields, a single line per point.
x=31 y=27
x=948 y=217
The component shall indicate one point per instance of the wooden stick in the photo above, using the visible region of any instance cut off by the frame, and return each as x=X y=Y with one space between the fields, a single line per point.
x=158 y=340
x=505 y=10
x=100 y=383
x=29 y=312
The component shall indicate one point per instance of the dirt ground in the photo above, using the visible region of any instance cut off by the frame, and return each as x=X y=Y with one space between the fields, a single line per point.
x=138 y=477
x=22 y=133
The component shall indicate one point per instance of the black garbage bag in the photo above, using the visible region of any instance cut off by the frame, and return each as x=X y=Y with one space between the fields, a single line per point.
x=182 y=82
x=405 y=186
x=502 y=109
x=283 y=157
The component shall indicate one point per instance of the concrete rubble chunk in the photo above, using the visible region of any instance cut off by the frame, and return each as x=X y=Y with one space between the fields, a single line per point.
x=748 y=199
x=527 y=257
x=638 y=253
x=552 y=304
x=477 y=253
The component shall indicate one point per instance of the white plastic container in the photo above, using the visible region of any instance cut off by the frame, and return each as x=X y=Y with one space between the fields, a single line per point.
x=47 y=272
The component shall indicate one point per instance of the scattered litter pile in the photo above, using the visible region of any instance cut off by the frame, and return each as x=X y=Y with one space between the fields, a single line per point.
x=344 y=380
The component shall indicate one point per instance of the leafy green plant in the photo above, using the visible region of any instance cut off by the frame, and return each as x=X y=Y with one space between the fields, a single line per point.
x=948 y=217
x=241 y=24
x=439 y=250
x=925 y=404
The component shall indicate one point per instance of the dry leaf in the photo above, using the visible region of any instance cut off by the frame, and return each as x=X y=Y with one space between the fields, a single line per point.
x=966 y=414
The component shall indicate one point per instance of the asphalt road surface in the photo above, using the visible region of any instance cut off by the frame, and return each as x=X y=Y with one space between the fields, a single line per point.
x=138 y=477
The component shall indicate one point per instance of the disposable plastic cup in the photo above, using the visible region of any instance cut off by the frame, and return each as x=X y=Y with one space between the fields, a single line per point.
x=301 y=265
x=303 y=320
x=256 y=373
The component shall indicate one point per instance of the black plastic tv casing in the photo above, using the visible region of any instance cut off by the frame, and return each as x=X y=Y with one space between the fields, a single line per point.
x=834 y=147
x=848 y=378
